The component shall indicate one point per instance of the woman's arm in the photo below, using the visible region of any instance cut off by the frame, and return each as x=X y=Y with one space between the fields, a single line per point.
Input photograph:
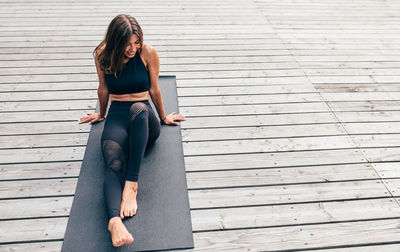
x=102 y=93
x=153 y=64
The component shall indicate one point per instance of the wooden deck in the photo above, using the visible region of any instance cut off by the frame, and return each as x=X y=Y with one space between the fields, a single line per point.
x=293 y=134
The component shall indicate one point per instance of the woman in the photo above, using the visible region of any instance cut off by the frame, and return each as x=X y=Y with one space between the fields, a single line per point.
x=128 y=73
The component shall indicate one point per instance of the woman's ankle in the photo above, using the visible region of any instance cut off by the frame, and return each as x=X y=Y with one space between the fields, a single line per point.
x=132 y=185
x=114 y=220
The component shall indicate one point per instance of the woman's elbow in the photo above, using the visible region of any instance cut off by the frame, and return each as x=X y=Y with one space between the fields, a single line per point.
x=102 y=91
x=154 y=92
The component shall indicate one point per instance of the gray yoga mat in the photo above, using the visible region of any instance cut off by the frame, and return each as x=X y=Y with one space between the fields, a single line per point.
x=163 y=220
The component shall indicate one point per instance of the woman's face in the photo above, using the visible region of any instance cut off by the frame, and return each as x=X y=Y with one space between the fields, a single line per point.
x=133 y=46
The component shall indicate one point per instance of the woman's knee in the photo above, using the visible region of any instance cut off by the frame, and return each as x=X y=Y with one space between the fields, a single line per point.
x=114 y=155
x=138 y=110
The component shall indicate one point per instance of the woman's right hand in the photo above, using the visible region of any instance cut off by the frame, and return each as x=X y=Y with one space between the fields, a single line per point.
x=91 y=118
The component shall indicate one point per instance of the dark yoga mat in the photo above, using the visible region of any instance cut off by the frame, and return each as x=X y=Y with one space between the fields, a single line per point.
x=163 y=219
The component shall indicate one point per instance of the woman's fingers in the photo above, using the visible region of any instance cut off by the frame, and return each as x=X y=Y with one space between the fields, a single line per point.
x=84 y=119
x=91 y=118
x=179 y=117
x=96 y=120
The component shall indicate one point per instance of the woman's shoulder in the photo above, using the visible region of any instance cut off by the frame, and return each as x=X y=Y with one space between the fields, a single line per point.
x=148 y=48
x=148 y=52
x=99 y=49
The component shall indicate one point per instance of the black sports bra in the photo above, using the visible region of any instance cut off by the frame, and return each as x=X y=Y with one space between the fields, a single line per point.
x=133 y=79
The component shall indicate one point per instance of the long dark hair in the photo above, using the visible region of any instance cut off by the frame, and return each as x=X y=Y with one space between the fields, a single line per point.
x=118 y=35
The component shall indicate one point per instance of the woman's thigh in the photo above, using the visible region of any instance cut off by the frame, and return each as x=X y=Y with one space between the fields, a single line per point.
x=114 y=142
x=154 y=127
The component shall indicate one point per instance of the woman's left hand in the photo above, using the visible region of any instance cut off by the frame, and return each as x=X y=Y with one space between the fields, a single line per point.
x=171 y=118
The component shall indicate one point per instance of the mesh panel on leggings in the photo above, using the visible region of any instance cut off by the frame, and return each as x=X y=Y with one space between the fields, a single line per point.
x=113 y=154
x=136 y=109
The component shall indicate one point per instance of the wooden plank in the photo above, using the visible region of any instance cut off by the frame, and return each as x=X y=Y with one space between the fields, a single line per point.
x=34 y=230
x=290 y=238
x=142 y=8
x=342 y=87
x=378 y=140
x=19 y=106
x=144 y=21
x=286 y=80
x=163 y=68
x=387 y=79
x=46 y=56
x=115 y=12
x=354 y=71
x=238 y=74
x=177 y=29
x=48 y=78
x=267 y=195
x=387 y=170
x=382 y=154
x=248 y=120
x=48 y=95
x=293 y=214
x=367 y=116
x=341 y=79
x=324 y=70
x=203 y=108
x=40 y=207
x=57 y=154
x=372 y=127
x=252 y=99
x=38 y=43
x=258 y=120
x=60 y=205
x=48 y=140
x=370 y=96
x=43 y=128
x=60 y=86
x=344 y=58
x=305 y=91
x=267 y=145
x=393 y=185
x=81 y=51
x=368 y=248
x=357 y=64
x=37 y=188
x=86 y=53
x=94 y=41
x=50 y=246
x=151 y=33
x=364 y=105
x=242 y=90
x=182 y=75
x=273 y=160
x=93 y=83
x=40 y=170
x=66 y=186
x=182 y=91
x=90 y=103
x=261 y=132
x=194 y=75
x=50 y=116
x=262 y=177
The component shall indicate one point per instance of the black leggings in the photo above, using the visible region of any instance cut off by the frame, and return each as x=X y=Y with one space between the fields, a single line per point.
x=130 y=127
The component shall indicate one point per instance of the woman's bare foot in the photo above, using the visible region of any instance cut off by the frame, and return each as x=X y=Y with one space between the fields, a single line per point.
x=128 y=203
x=119 y=234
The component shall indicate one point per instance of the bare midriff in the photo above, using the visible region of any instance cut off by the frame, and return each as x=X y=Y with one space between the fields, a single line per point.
x=130 y=97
